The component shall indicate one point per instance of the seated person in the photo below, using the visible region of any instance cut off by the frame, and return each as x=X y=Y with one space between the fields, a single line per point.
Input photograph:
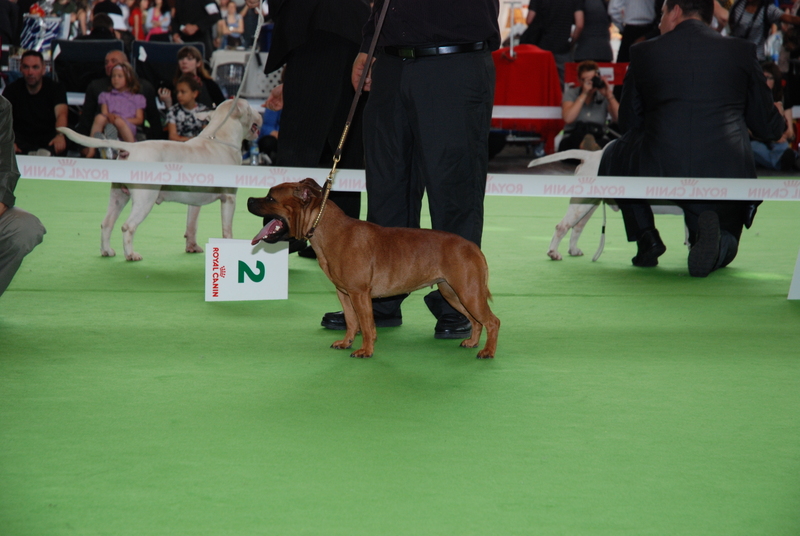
x=20 y=231
x=777 y=154
x=102 y=28
x=231 y=27
x=91 y=106
x=182 y=121
x=190 y=61
x=585 y=108
x=121 y=108
x=158 y=19
x=40 y=105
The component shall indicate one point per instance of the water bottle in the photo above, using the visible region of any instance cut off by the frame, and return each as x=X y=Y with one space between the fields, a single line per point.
x=254 y=159
x=777 y=43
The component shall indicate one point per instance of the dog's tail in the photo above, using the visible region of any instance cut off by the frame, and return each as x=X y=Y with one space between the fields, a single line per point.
x=572 y=154
x=86 y=141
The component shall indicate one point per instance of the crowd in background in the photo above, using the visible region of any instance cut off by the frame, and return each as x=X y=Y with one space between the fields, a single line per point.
x=581 y=31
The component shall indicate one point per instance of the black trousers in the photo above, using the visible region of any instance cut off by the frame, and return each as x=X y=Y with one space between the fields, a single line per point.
x=317 y=94
x=426 y=129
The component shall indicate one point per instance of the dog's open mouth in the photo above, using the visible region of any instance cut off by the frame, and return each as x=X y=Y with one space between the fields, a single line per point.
x=272 y=232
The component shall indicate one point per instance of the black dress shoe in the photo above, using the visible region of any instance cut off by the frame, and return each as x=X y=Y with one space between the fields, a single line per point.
x=750 y=213
x=295 y=244
x=650 y=249
x=705 y=251
x=452 y=326
x=336 y=320
x=307 y=252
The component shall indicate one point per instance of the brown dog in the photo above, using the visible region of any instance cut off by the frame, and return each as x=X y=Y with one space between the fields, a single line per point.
x=367 y=261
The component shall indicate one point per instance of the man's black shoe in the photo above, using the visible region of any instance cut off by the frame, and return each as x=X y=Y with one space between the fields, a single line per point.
x=650 y=249
x=307 y=252
x=705 y=251
x=750 y=213
x=452 y=326
x=336 y=321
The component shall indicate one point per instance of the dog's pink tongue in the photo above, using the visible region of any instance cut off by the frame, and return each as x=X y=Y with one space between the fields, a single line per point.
x=268 y=229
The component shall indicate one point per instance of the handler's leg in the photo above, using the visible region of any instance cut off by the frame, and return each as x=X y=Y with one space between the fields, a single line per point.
x=20 y=232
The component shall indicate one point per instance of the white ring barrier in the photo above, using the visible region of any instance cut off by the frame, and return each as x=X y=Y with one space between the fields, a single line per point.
x=351 y=180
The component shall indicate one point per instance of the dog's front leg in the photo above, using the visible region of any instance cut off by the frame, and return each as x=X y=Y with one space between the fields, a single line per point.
x=192 y=215
x=362 y=305
x=352 y=323
x=227 y=208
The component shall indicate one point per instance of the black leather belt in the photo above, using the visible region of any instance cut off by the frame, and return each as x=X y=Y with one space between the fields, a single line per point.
x=421 y=52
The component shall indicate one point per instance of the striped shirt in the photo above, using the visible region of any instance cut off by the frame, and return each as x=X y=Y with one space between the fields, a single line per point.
x=631 y=12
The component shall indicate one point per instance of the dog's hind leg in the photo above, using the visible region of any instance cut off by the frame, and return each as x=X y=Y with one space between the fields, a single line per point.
x=143 y=199
x=192 y=214
x=474 y=304
x=579 y=209
x=117 y=200
x=574 y=250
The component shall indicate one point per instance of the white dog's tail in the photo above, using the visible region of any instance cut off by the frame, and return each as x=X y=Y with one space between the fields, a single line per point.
x=572 y=154
x=86 y=141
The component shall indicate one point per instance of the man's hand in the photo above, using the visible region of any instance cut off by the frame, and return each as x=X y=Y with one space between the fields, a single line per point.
x=252 y=4
x=59 y=144
x=358 y=69
x=275 y=100
x=190 y=29
x=17 y=150
x=3 y=208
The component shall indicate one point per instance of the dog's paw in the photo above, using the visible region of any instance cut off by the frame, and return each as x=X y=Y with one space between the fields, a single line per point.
x=108 y=252
x=576 y=252
x=467 y=344
x=555 y=255
x=361 y=353
x=342 y=345
x=193 y=248
x=485 y=354
x=133 y=257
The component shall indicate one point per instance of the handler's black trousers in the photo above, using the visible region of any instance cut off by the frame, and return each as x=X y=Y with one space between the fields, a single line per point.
x=426 y=128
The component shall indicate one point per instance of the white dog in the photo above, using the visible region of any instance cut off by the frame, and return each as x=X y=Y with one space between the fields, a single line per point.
x=581 y=208
x=219 y=143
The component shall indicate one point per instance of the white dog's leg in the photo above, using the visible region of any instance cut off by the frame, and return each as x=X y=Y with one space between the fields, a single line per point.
x=580 y=209
x=227 y=207
x=574 y=250
x=143 y=198
x=116 y=202
x=192 y=214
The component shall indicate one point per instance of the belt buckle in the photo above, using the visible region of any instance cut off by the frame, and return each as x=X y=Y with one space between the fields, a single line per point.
x=405 y=53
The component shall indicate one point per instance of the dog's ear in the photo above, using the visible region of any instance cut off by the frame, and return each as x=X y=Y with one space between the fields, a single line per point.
x=204 y=116
x=308 y=190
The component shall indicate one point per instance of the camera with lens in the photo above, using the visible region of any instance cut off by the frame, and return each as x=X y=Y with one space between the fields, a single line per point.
x=598 y=82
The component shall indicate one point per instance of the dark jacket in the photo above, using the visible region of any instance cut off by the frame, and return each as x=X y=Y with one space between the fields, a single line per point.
x=691 y=95
x=9 y=173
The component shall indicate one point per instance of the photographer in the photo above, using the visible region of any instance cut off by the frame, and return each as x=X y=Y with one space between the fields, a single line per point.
x=585 y=108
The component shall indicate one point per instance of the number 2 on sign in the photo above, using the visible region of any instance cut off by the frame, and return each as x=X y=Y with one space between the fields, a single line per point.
x=253 y=276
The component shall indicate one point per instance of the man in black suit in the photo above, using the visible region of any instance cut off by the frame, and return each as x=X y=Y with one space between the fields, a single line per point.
x=688 y=100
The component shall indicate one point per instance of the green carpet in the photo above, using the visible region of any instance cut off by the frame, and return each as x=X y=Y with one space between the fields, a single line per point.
x=622 y=401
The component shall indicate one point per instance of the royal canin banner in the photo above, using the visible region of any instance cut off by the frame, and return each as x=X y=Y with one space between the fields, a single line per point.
x=350 y=180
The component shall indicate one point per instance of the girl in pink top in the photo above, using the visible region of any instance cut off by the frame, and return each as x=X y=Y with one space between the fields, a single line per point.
x=122 y=107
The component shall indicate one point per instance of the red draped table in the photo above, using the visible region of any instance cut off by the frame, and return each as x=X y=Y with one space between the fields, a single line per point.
x=529 y=78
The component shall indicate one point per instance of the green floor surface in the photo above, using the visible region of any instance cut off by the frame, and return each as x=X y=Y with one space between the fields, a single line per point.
x=622 y=401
